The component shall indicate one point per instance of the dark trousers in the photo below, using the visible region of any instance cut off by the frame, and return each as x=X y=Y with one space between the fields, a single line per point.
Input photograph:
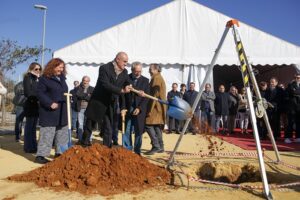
x=262 y=129
x=175 y=122
x=30 y=144
x=115 y=127
x=19 y=121
x=206 y=120
x=155 y=134
x=231 y=123
x=275 y=123
x=293 y=118
x=108 y=132
x=88 y=129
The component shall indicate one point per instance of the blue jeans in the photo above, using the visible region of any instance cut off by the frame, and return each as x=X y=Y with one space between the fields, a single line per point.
x=127 y=137
x=81 y=120
x=206 y=119
x=218 y=120
x=30 y=144
x=74 y=119
x=19 y=121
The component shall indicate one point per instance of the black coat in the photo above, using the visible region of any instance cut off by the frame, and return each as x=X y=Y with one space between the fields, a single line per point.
x=51 y=90
x=31 y=105
x=74 y=99
x=233 y=104
x=222 y=103
x=190 y=96
x=293 y=98
x=103 y=98
x=81 y=96
x=131 y=99
x=276 y=98
x=171 y=94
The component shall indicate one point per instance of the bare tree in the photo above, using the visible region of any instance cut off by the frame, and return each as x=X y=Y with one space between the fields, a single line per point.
x=12 y=54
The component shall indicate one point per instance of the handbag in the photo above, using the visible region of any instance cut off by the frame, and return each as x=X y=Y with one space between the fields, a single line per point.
x=19 y=99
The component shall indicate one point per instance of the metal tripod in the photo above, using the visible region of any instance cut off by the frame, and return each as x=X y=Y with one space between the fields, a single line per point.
x=248 y=75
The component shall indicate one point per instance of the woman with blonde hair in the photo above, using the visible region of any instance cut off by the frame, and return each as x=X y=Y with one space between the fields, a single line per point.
x=31 y=106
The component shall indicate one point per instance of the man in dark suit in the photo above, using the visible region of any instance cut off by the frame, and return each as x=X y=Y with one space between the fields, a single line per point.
x=74 y=111
x=113 y=79
x=293 y=109
x=137 y=108
x=170 y=96
x=222 y=109
x=190 y=96
x=275 y=95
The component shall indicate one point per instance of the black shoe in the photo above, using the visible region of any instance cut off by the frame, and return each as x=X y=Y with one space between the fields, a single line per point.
x=161 y=151
x=57 y=155
x=41 y=160
x=86 y=144
x=115 y=143
x=152 y=151
x=30 y=151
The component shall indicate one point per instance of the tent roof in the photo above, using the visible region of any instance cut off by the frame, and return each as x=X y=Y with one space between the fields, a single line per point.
x=183 y=32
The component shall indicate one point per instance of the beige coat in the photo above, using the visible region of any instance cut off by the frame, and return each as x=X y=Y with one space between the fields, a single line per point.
x=156 y=112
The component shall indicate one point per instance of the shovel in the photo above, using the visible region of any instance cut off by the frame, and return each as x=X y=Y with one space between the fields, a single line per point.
x=177 y=107
x=63 y=148
x=123 y=114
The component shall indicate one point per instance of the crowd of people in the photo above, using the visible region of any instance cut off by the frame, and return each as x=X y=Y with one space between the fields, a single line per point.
x=40 y=98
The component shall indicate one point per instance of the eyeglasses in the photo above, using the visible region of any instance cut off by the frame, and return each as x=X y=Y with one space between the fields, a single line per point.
x=297 y=77
x=37 y=69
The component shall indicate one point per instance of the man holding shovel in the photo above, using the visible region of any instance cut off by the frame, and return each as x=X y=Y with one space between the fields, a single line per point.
x=113 y=79
x=156 y=113
x=137 y=107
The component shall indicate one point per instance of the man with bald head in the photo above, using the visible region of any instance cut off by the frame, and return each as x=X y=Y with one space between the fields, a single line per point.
x=113 y=81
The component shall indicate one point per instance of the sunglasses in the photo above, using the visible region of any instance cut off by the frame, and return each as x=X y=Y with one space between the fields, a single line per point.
x=37 y=69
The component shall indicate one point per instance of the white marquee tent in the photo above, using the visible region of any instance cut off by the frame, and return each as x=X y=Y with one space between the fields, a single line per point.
x=182 y=36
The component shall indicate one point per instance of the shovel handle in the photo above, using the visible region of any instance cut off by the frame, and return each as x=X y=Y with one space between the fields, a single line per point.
x=68 y=95
x=150 y=97
x=123 y=122
x=145 y=95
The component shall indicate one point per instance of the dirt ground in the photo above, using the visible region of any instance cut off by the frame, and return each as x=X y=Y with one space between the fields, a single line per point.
x=14 y=161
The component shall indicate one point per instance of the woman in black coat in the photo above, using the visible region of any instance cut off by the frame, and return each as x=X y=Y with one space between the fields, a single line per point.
x=31 y=106
x=53 y=110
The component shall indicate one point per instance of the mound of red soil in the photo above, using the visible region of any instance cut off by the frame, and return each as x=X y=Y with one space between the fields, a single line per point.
x=97 y=169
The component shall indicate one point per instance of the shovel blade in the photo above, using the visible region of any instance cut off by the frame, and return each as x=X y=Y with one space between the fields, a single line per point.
x=179 y=109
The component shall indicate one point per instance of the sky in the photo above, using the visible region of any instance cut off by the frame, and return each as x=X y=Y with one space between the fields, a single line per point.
x=71 y=20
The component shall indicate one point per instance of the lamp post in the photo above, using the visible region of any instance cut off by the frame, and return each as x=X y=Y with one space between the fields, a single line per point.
x=44 y=8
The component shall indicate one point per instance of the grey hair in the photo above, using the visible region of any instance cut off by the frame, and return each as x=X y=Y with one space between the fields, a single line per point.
x=85 y=77
x=157 y=66
x=134 y=64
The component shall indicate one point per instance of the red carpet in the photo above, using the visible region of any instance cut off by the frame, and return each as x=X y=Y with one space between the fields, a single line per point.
x=247 y=142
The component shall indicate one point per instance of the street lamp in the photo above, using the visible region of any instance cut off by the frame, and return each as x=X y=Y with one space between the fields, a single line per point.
x=44 y=8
